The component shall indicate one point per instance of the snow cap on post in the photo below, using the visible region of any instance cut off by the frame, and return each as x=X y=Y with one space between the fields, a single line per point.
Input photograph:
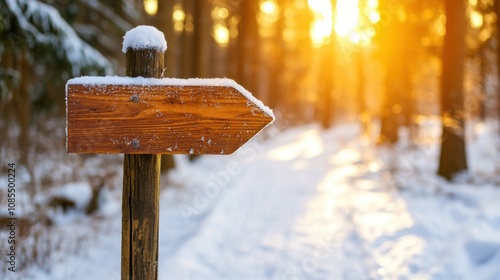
x=144 y=37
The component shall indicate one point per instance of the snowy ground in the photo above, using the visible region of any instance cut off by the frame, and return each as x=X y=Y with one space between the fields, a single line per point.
x=307 y=204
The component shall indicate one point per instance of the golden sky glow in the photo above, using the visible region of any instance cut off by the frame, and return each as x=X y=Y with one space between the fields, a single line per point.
x=322 y=25
x=347 y=22
x=353 y=25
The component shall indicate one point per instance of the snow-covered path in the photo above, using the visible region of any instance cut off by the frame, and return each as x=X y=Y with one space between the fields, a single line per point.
x=315 y=205
x=268 y=219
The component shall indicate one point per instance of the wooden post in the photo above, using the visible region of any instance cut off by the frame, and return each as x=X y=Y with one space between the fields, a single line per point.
x=141 y=188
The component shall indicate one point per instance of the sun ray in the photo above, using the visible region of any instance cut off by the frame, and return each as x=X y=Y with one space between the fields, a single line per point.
x=347 y=17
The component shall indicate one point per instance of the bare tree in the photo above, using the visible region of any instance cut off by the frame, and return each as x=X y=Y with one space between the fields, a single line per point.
x=393 y=56
x=497 y=11
x=453 y=157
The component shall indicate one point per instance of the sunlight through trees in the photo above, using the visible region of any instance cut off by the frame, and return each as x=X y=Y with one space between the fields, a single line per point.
x=377 y=62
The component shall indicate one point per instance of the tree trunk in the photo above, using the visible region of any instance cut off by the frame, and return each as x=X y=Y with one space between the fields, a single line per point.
x=453 y=156
x=497 y=11
x=481 y=99
x=23 y=106
x=201 y=40
x=326 y=84
x=393 y=56
x=187 y=43
x=247 y=46
x=363 y=113
x=391 y=109
x=275 y=65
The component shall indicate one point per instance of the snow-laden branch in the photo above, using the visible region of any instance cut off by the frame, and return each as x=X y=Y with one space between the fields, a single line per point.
x=45 y=26
x=108 y=13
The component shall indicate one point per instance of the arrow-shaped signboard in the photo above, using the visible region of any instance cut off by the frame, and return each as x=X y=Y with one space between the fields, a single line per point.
x=160 y=116
x=146 y=117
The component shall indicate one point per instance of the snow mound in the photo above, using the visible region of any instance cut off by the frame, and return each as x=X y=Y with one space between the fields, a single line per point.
x=144 y=37
x=79 y=193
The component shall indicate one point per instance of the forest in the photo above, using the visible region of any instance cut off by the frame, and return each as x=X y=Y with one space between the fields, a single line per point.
x=416 y=80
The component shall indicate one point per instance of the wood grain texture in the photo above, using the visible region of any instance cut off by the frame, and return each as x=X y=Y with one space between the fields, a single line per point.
x=165 y=119
x=140 y=217
x=141 y=188
x=144 y=63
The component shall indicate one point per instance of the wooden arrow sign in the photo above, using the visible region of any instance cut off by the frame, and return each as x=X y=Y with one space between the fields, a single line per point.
x=160 y=116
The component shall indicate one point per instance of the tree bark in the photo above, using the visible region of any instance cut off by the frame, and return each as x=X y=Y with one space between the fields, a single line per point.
x=248 y=46
x=163 y=21
x=201 y=39
x=391 y=110
x=497 y=11
x=326 y=84
x=187 y=41
x=363 y=113
x=392 y=53
x=453 y=155
x=484 y=72
x=275 y=87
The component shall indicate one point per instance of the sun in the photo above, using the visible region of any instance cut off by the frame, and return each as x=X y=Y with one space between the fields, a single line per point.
x=322 y=25
x=347 y=19
x=355 y=25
